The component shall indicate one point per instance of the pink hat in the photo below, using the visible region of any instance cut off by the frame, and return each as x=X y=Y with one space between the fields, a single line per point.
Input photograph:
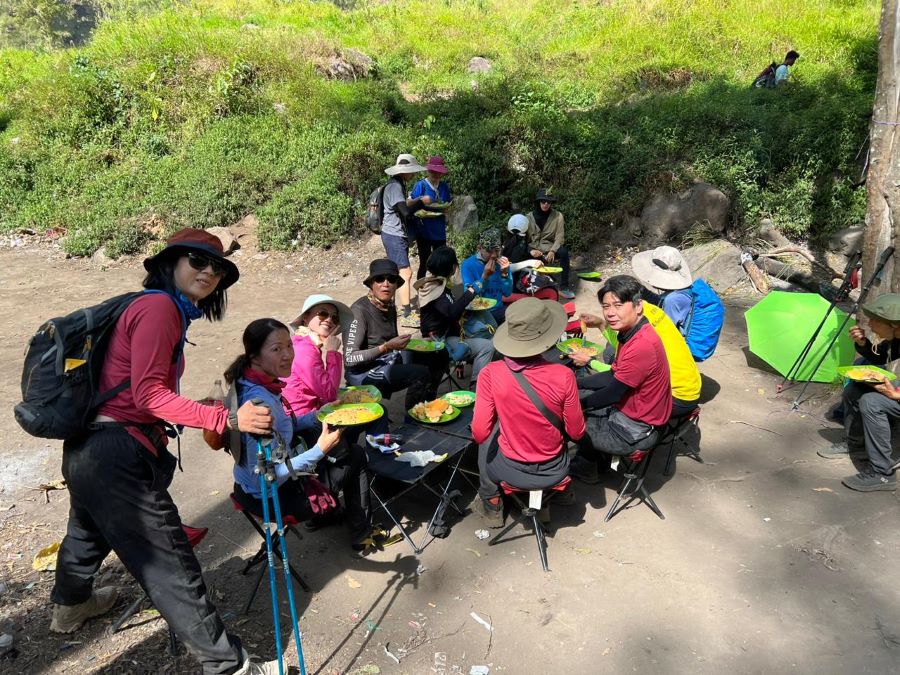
x=436 y=164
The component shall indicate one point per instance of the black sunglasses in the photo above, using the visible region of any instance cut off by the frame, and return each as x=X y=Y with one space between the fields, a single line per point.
x=200 y=262
x=381 y=278
x=323 y=314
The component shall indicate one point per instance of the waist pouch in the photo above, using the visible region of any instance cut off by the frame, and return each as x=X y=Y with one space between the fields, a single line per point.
x=629 y=430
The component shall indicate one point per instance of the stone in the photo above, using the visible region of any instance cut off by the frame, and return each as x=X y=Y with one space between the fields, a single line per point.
x=463 y=213
x=229 y=242
x=100 y=256
x=375 y=247
x=348 y=64
x=717 y=262
x=479 y=65
x=848 y=240
x=668 y=217
x=770 y=233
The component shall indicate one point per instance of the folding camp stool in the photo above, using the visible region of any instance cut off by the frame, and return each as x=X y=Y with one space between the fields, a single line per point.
x=674 y=432
x=635 y=466
x=194 y=535
x=261 y=556
x=532 y=511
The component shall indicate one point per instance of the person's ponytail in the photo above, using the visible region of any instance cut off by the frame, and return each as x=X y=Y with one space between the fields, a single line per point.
x=254 y=338
x=237 y=368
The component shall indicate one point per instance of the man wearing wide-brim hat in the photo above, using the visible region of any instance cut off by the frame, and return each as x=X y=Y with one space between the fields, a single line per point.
x=519 y=443
x=665 y=272
x=375 y=354
x=395 y=235
x=547 y=236
x=869 y=409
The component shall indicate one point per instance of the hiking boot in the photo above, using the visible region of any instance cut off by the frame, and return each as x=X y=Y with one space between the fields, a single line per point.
x=251 y=667
x=870 y=481
x=69 y=618
x=567 y=293
x=584 y=470
x=840 y=451
x=491 y=510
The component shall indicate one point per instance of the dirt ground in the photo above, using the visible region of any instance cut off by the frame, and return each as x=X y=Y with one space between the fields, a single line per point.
x=763 y=564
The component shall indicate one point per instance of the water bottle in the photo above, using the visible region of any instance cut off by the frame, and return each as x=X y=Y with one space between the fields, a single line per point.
x=216 y=396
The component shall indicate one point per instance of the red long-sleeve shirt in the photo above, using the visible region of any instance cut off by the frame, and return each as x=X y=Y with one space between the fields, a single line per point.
x=525 y=434
x=141 y=348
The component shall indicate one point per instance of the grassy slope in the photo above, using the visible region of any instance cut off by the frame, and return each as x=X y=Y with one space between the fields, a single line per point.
x=190 y=116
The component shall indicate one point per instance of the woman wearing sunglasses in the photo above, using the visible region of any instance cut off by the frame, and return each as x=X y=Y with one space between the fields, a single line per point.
x=118 y=474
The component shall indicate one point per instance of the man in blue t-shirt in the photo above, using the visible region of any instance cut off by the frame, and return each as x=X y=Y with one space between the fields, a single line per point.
x=489 y=269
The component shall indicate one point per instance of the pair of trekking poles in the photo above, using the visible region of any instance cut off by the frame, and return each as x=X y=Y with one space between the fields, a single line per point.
x=268 y=487
x=841 y=294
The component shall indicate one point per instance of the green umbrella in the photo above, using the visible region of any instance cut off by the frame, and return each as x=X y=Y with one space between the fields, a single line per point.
x=780 y=325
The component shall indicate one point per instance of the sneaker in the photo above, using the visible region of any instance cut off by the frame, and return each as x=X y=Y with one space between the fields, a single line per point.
x=584 y=470
x=69 y=618
x=383 y=538
x=870 y=481
x=251 y=667
x=840 y=450
x=567 y=293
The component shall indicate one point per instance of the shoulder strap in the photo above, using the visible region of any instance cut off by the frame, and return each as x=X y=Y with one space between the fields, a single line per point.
x=536 y=400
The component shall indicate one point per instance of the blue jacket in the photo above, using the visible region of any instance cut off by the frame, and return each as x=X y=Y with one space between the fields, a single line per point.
x=495 y=286
x=434 y=229
x=282 y=432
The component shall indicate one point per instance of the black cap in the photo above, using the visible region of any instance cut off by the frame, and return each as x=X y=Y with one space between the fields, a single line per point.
x=383 y=266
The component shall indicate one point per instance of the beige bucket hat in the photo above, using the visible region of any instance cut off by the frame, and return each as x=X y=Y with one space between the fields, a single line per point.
x=664 y=267
x=532 y=326
x=405 y=164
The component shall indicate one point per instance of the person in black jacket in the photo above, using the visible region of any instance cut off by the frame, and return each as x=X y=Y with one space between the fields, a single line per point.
x=869 y=409
x=442 y=315
x=373 y=351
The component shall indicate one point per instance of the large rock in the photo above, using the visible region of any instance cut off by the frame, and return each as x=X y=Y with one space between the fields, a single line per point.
x=348 y=64
x=847 y=241
x=770 y=233
x=463 y=213
x=668 y=217
x=478 y=65
x=718 y=262
x=229 y=243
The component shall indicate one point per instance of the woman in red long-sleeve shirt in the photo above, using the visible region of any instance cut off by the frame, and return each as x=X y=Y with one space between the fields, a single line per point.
x=518 y=443
x=119 y=472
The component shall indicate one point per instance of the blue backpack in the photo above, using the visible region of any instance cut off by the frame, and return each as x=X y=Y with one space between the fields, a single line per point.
x=704 y=323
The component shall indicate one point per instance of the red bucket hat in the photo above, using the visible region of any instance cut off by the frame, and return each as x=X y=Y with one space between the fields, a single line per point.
x=193 y=239
x=436 y=164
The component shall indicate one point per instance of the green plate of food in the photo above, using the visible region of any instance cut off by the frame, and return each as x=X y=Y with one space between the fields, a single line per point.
x=349 y=414
x=482 y=303
x=439 y=205
x=460 y=399
x=365 y=393
x=437 y=411
x=548 y=270
x=579 y=346
x=866 y=373
x=589 y=276
x=422 y=345
x=422 y=213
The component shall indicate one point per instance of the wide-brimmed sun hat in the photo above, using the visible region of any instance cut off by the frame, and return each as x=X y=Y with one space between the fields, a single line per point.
x=406 y=163
x=192 y=239
x=518 y=223
x=545 y=195
x=322 y=299
x=885 y=307
x=531 y=327
x=436 y=163
x=383 y=266
x=664 y=267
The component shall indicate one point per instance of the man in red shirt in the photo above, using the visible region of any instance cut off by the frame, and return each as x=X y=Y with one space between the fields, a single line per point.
x=626 y=405
x=525 y=407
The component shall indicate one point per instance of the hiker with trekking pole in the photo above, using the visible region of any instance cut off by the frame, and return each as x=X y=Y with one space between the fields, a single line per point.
x=110 y=391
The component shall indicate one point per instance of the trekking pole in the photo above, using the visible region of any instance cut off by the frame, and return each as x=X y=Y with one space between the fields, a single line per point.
x=879 y=266
x=264 y=468
x=286 y=566
x=841 y=292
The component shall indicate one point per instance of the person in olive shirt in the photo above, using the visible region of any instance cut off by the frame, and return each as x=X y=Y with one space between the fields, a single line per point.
x=547 y=237
x=373 y=351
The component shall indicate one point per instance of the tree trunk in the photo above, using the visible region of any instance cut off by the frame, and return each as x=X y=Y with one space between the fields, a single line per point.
x=883 y=178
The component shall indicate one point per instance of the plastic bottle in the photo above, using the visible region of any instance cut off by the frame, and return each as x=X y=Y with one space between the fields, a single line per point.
x=216 y=395
x=387 y=439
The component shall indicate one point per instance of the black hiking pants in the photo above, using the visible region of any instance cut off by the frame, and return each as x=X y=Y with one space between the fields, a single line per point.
x=119 y=501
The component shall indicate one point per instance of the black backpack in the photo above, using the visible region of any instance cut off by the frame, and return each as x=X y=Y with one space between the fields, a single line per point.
x=375 y=213
x=62 y=369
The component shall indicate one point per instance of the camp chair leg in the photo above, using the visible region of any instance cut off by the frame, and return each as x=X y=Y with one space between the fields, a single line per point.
x=497 y=537
x=299 y=579
x=259 y=576
x=400 y=527
x=129 y=612
x=629 y=479
x=648 y=500
x=541 y=540
x=173 y=643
